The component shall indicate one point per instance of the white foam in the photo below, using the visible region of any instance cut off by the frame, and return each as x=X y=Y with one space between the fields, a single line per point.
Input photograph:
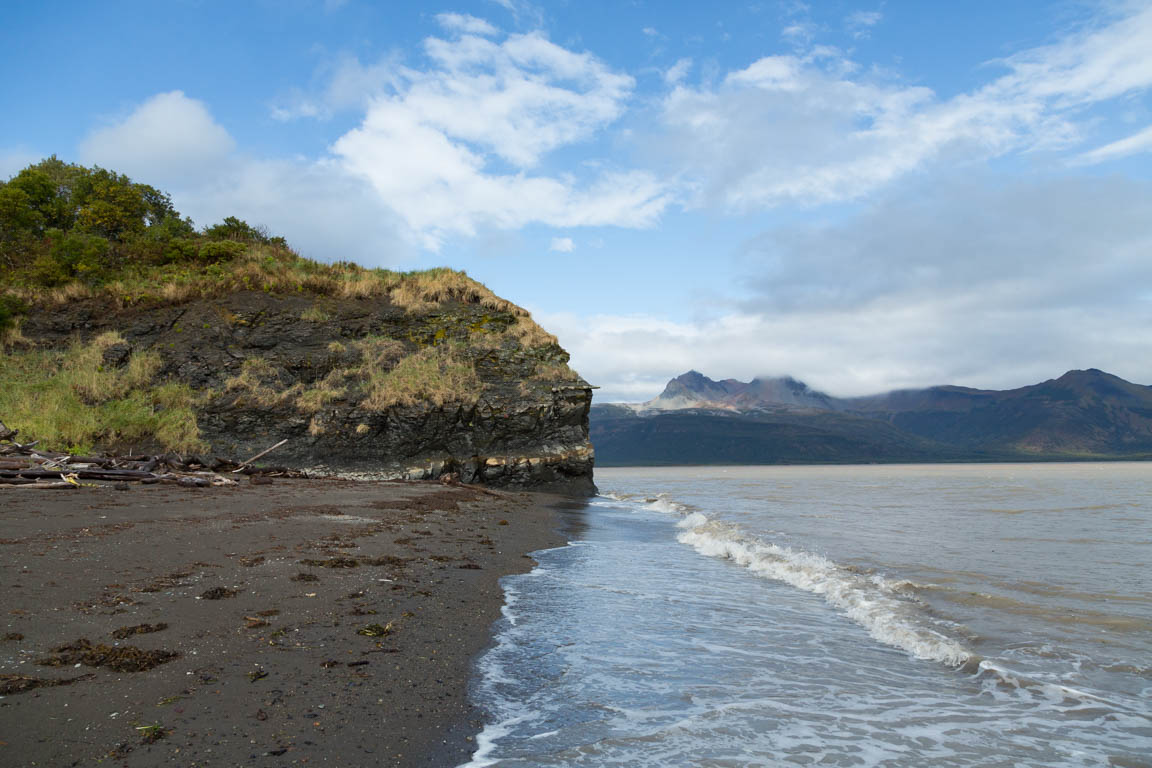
x=486 y=742
x=870 y=601
x=1053 y=691
x=665 y=505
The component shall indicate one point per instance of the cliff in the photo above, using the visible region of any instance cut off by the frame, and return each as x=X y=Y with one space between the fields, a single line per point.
x=262 y=367
x=122 y=327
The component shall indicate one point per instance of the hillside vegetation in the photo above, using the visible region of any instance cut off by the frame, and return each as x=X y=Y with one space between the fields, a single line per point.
x=89 y=243
x=68 y=232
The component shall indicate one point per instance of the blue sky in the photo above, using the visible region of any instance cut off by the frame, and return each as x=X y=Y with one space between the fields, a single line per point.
x=865 y=195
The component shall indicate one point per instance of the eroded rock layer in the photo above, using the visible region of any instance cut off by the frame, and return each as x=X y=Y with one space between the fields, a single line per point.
x=357 y=385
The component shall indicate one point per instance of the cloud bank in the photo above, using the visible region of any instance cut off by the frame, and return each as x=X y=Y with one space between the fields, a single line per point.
x=816 y=127
x=987 y=283
x=453 y=147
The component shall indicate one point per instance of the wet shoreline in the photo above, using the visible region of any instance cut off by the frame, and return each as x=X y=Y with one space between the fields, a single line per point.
x=302 y=623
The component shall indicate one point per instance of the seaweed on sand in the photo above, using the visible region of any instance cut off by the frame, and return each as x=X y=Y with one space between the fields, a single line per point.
x=126 y=658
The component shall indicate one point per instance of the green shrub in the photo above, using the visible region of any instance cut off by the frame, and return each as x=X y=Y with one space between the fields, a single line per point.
x=81 y=256
x=218 y=251
x=47 y=272
x=179 y=250
x=236 y=229
x=10 y=308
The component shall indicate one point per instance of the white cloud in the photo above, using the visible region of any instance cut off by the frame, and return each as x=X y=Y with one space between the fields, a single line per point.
x=523 y=12
x=812 y=128
x=324 y=212
x=798 y=33
x=167 y=137
x=562 y=245
x=12 y=161
x=677 y=72
x=174 y=143
x=1102 y=63
x=349 y=84
x=520 y=98
x=860 y=22
x=1141 y=141
x=982 y=283
x=429 y=146
x=465 y=24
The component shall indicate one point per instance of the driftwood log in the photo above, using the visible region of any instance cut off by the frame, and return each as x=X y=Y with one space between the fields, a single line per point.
x=24 y=466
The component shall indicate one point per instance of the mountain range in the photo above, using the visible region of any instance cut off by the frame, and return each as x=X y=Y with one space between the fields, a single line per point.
x=1086 y=414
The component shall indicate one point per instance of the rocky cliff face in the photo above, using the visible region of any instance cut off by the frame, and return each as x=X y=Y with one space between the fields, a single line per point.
x=359 y=385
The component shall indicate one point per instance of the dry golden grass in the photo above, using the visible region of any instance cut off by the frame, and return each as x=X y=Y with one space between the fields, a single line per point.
x=555 y=372
x=259 y=383
x=419 y=291
x=176 y=293
x=315 y=314
x=355 y=282
x=314 y=398
x=70 y=292
x=529 y=334
x=434 y=375
x=378 y=354
x=386 y=374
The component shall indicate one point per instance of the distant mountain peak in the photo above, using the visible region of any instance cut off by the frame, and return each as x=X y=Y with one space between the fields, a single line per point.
x=695 y=390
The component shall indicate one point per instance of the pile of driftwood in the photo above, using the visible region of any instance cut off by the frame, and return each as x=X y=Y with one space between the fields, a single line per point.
x=25 y=466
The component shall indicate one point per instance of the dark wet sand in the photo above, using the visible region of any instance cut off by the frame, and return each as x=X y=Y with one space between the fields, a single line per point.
x=276 y=674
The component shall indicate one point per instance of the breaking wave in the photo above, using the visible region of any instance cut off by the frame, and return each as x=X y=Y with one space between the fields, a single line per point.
x=871 y=601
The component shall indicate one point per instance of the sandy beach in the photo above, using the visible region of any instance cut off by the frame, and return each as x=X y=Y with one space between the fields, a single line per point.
x=305 y=622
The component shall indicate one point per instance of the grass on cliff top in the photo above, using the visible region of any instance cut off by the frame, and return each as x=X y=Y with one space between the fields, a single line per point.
x=265 y=267
x=278 y=270
x=69 y=232
x=71 y=400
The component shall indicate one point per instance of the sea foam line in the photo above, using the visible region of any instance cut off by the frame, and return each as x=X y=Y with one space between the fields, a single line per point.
x=872 y=602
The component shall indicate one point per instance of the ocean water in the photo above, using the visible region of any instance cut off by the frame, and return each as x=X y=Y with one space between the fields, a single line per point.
x=969 y=615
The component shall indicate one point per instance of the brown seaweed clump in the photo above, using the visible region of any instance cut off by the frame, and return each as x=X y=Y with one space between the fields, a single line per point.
x=218 y=593
x=123 y=633
x=390 y=560
x=127 y=658
x=10 y=684
x=332 y=562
